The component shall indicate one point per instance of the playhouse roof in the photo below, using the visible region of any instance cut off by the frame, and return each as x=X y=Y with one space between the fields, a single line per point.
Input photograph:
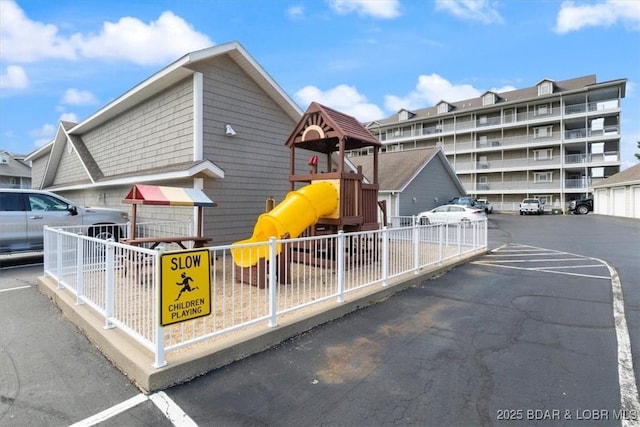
x=142 y=194
x=321 y=129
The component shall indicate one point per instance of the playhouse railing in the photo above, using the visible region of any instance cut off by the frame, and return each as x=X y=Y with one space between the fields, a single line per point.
x=122 y=283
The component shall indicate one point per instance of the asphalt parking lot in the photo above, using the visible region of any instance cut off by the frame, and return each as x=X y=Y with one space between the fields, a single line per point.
x=526 y=332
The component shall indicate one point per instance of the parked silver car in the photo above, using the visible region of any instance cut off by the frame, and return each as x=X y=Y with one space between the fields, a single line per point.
x=24 y=213
x=451 y=213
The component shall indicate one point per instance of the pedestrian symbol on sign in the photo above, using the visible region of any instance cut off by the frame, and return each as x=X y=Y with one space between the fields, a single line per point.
x=185 y=284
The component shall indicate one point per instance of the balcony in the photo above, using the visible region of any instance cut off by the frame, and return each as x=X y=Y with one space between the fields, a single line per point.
x=591 y=107
x=590 y=158
x=506 y=187
x=581 y=133
x=519 y=119
x=523 y=163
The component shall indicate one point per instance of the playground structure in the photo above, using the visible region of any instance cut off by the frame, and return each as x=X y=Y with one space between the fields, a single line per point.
x=320 y=202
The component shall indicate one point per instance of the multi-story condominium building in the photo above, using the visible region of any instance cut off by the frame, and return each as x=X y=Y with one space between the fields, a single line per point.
x=553 y=140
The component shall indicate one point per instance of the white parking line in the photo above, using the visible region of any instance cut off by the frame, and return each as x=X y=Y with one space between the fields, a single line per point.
x=168 y=407
x=111 y=412
x=15 y=289
x=629 y=397
x=171 y=410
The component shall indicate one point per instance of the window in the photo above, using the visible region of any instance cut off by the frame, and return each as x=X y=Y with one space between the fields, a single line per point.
x=484 y=162
x=483 y=180
x=482 y=120
x=542 y=110
x=11 y=202
x=508 y=116
x=482 y=140
x=542 y=177
x=545 y=88
x=543 y=132
x=443 y=107
x=489 y=98
x=43 y=202
x=597 y=173
x=545 y=154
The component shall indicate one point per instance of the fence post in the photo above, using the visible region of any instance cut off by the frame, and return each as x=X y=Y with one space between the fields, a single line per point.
x=110 y=284
x=486 y=233
x=159 y=361
x=440 y=243
x=340 y=254
x=459 y=237
x=475 y=235
x=272 y=283
x=415 y=234
x=79 y=270
x=59 y=258
x=385 y=256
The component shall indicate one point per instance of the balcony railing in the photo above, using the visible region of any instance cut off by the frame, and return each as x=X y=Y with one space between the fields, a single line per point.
x=592 y=106
x=581 y=184
x=585 y=158
x=482 y=123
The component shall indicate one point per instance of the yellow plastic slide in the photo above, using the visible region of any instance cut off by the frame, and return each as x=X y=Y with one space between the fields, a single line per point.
x=299 y=210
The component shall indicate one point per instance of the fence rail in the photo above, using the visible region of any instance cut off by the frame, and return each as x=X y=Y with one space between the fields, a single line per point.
x=122 y=282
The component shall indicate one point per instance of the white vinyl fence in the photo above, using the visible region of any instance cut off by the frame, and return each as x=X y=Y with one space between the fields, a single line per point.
x=122 y=282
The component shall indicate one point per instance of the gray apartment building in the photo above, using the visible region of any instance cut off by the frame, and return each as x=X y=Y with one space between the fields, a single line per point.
x=553 y=140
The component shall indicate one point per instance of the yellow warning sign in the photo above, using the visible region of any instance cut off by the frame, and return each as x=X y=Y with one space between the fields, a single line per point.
x=185 y=285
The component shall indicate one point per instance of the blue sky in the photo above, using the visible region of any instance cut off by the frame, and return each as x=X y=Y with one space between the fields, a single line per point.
x=65 y=59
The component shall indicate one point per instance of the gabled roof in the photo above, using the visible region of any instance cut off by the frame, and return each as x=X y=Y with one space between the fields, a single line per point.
x=14 y=166
x=174 y=73
x=175 y=171
x=396 y=170
x=629 y=176
x=322 y=128
x=180 y=69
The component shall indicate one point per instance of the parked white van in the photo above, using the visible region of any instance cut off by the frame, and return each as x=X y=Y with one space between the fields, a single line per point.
x=24 y=213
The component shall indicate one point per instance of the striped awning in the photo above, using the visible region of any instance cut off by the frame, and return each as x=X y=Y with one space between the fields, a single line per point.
x=142 y=194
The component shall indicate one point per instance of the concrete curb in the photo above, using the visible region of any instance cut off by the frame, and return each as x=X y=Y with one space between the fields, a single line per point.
x=136 y=362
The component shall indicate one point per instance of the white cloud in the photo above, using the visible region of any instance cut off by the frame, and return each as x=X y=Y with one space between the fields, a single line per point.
x=343 y=98
x=14 y=78
x=572 y=17
x=295 y=12
x=129 y=39
x=44 y=135
x=78 y=97
x=471 y=10
x=385 y=9
x=24 y=40
x=69 y=117
x=433 y=88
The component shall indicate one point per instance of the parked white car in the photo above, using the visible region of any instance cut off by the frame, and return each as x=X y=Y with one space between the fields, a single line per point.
x=451 y=213
x=25 y=212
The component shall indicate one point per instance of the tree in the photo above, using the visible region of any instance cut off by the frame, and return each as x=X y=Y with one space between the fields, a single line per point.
x=638 y=154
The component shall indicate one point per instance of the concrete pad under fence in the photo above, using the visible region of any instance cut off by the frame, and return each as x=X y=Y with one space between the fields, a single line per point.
x=136 y=362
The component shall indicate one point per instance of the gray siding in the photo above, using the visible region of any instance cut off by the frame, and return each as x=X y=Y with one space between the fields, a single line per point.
x=70 y=169
x=431 y=183
x=156 y=133
x=37 y=171
x=255 y=161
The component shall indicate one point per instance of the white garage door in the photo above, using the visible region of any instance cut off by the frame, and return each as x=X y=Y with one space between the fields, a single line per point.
x=636 y=202
x=600 y=202
x=619 y=206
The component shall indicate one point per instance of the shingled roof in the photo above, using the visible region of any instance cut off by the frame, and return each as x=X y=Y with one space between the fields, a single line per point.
x=321 y=129
x=398 y=169
x=628 y=176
